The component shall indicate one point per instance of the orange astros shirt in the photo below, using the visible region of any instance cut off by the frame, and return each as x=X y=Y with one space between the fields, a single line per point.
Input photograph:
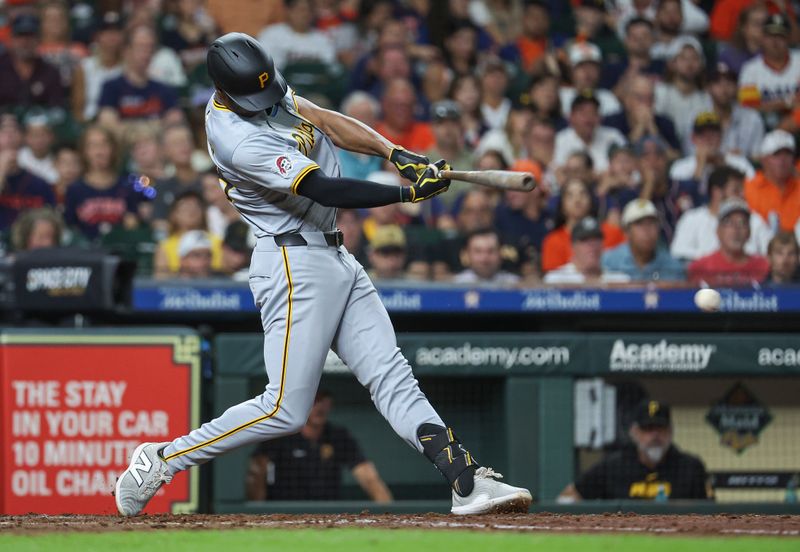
x=764 y=198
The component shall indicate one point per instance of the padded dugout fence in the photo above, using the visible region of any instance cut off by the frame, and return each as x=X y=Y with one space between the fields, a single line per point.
x=520 y=402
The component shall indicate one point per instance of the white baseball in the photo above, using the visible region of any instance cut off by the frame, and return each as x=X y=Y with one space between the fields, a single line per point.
x=707 y=300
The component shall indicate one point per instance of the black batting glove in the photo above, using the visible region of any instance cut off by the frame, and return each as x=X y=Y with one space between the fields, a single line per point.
x=428 y=184
x=410 y=165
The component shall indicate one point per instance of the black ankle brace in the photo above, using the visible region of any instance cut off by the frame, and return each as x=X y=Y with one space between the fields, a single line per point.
x=442 y=447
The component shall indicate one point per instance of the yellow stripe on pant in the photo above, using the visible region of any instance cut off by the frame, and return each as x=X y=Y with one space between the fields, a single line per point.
x=284 y=360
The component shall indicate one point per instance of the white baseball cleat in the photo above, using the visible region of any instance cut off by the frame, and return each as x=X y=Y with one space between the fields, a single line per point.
x=141 y=481
x=491 y=496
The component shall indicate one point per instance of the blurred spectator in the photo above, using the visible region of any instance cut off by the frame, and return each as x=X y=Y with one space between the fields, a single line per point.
x=392 y=63
x=436 y=81
x=745 y=44
x=533 y=41
x=188 y=31
x=19 y=189
x=619 y=185
x=69 y=168
x=195 y=255
x=540 y=143
x=37 y=229
x=36 y=156
x=574 y=205
x=177 y=145
x=25 y=78
x=542 y=97
x=102 y=198
x=133 y=96
x=774 y=192
x=461 y=46
x=349 y=221
x=586 y=251
x=769 y=82
x=447 y=130
x=521 y=217
x=56 y=46
x=585 y=133
x=240 y=16
x=104 y=64
x=308 y=465
x=783 y=254
x=730 y=265
x=187 y=214
x=220 y=213
x=639 y=118
x=386 y=214
x=651 y=153
x=297 y=39
x=362 y=107
x=693 y=19
x=638 y=40
x=578 y=166
x=387 y=253
x=398 y=124
x=694 y=170
x=590 y=26
x=466 y=92
x=696 y=231
x=146 y=156
x=668 y=20
x=586 y=62
x=483 y=261
x=510 y=140
x=495 y=106
x=742 y=128
x=653 y=466
x=642 y=257
x=682 y=93
x=237 y=248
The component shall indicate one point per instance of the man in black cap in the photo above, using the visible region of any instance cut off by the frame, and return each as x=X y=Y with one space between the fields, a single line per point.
x=25 y=78
x=770 y=82
x=742 y=127
x=449 y=135
x=585 y=265
x=653 y=467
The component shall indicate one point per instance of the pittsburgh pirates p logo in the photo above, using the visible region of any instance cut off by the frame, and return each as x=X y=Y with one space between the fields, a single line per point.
x=263 y=78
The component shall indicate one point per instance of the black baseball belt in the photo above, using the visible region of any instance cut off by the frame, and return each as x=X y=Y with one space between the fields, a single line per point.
x=291 y=239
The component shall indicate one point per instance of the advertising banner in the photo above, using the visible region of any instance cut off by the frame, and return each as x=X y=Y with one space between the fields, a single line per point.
x=76 y=404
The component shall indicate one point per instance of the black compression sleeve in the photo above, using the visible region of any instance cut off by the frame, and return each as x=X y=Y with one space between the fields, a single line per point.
x=349 y=192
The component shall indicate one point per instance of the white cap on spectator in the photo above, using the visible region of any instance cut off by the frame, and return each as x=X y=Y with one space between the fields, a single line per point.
x=776 y=141
x=678 y=44
x=581 y=52
x=192 y=241
x=637 y=210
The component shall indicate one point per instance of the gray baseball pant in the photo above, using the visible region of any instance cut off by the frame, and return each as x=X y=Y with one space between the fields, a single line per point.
x=312 y=298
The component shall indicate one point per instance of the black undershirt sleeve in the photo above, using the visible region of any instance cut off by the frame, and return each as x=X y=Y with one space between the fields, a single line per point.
x=349 y=193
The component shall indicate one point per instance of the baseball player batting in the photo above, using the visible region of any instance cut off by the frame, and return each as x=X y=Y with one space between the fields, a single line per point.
x=276 y=156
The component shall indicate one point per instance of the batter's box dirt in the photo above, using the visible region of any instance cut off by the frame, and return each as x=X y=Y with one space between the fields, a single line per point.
x=722 y=525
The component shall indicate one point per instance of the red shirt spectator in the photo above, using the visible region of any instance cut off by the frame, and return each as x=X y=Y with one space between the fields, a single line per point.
x=398 y=125
x=730 y=265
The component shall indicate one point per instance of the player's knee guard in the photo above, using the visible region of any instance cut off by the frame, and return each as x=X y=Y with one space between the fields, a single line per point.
x=442 y=447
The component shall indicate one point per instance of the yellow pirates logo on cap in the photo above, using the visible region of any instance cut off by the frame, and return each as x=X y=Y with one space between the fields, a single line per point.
x=263 y=78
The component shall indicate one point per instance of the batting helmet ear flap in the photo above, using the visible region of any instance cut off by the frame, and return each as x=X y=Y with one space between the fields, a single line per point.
x=242 y=68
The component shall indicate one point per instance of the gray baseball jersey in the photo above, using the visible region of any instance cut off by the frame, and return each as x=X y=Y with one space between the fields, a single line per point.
x=261 y=160
x=311 y=298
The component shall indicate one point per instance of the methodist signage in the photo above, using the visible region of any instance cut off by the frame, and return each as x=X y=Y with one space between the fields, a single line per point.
x=76 y=403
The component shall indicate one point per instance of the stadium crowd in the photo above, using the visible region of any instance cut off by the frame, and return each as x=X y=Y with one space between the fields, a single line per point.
x=662 y=133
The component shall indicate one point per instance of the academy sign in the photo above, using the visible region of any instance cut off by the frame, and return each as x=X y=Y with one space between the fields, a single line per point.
x=661 y=356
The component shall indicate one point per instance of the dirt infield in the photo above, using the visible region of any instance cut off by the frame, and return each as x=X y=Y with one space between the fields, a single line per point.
x=720 y=525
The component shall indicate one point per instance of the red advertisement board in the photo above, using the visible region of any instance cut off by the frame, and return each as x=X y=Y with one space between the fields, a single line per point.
x=74 y=406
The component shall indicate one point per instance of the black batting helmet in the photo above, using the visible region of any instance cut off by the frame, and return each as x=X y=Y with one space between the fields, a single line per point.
x=240 y=66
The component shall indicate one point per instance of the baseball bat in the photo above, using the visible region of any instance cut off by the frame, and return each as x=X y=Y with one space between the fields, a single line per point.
x=502 y=180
